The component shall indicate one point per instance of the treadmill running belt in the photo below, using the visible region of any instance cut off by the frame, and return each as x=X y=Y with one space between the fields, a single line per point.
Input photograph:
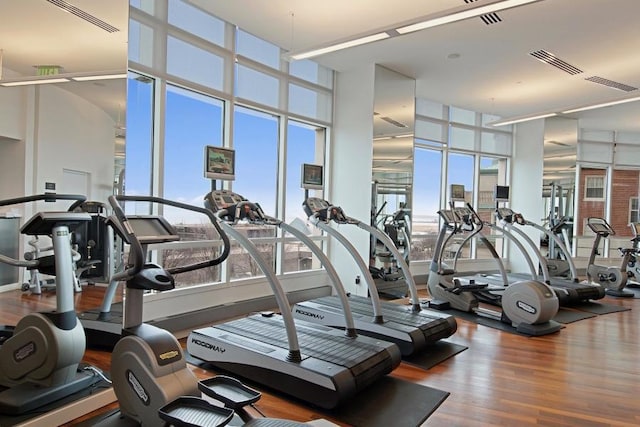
x=345 y=352
x=395 y=313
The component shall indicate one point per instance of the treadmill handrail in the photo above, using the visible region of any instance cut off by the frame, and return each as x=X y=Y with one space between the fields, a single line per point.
x=276 y=287
x=350 y=328
x=364 y=269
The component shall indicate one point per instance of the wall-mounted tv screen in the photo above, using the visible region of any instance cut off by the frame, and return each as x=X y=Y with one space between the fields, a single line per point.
x=219 y=163
x=501 y=193
x=311 y=177
x=457 y=192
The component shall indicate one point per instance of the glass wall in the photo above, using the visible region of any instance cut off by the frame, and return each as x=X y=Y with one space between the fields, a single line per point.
x=216 y=84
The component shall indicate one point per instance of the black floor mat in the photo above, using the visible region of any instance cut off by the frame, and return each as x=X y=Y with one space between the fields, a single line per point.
x=11 y=420
x=434 y=354
x=485 y=321
x=600 y=308
x=566 y=315
x=390 y=402
x=634 y=290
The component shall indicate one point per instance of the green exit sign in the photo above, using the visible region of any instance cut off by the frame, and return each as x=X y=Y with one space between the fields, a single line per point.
x=48 y=70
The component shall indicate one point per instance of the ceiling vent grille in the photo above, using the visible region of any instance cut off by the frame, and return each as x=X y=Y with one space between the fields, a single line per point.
x=611 y=83
x=68 y=7
x=489 y=18
x=551 y=59
x=393 y=122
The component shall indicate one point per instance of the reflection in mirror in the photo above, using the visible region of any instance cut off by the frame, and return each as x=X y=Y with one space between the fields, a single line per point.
x=66 y=133
x=393 y=127
x=560 y=150
x=62 y=98
x=392 y=176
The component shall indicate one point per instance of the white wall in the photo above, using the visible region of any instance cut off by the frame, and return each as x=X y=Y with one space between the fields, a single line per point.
x=12 y=113
x=350 y=167
x=526 y=184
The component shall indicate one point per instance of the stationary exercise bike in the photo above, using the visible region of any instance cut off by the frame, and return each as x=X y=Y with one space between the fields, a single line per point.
x=528 y=305
x=612 y=279
x=39 y=362
x=150 y=376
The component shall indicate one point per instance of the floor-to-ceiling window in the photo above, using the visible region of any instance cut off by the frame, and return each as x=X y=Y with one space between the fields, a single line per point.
x=427 y=179
x=136 y=178
x=220 y=85
x=191 y=121
x=305 y=146
x=256 y=146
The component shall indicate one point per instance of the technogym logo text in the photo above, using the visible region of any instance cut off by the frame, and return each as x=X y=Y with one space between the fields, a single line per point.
x=526 y=307
x=208 y=346
x=309 y=314
x=137 y=388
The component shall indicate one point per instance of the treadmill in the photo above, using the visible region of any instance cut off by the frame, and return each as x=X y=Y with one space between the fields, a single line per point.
x=412 y=328
x=569 y=291
x=320 y=365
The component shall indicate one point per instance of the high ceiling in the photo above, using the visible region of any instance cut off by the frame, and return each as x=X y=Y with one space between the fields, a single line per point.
x=470 y=64
x=37 y=32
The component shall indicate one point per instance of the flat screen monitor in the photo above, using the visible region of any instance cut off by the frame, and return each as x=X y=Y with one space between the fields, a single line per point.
x=219 y=163
x=501 y=193
x=457 y=192
x=311 y=177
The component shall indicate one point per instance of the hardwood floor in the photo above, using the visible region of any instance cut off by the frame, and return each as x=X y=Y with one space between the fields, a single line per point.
x=588 y=374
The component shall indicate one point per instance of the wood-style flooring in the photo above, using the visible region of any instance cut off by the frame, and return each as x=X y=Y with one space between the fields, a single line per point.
x=588 y=374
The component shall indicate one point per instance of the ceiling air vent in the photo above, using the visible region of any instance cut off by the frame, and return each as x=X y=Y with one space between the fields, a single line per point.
x=488 y=18
x=68 y=7
x=611 y=83
x=562 y=144
x=393 y=122
x=551 y=59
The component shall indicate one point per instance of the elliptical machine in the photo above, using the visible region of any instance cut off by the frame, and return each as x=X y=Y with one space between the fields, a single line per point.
x=612 y=279
x=39 y=362
x=630 y=262
x=528 y=305
x=150 y=376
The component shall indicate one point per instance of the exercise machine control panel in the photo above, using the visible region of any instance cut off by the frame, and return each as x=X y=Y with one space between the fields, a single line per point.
x=509 y=216
x=448 y=216
x=323 y=210
x=232 y=207
x=600 y=227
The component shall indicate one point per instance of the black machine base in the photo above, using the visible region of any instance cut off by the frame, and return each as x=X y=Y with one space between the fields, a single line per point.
x=541 y=329
x=619 y=293
x=27 y=397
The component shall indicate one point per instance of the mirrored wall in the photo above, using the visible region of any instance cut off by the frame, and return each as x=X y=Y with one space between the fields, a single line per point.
x=393 y=137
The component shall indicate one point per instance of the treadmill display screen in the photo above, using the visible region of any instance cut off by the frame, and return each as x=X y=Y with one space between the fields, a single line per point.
x=448 y=216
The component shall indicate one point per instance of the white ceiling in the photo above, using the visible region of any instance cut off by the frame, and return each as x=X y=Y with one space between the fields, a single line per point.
x=35 y=32
x=494 y=72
